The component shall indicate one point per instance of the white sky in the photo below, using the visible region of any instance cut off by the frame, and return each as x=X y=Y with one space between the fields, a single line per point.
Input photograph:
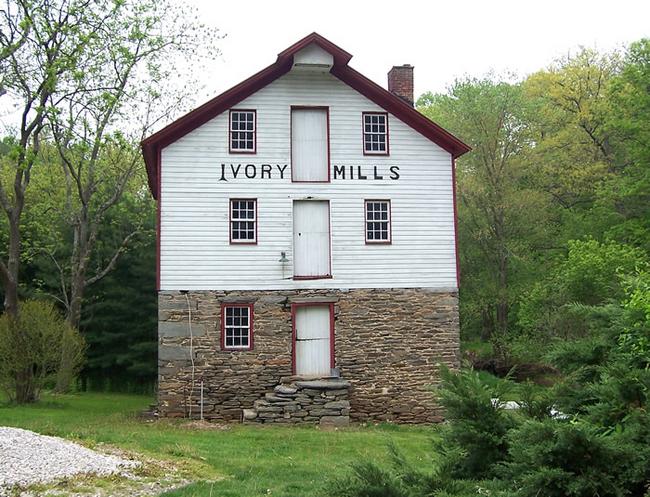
x=443 y=40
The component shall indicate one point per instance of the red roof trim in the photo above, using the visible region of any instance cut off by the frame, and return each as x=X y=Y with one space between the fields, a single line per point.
x=192 y=120
x=401 y=110
x=152 y=146
x=341 y=57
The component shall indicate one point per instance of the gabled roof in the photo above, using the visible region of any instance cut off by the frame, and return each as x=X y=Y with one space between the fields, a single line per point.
x=152 y=145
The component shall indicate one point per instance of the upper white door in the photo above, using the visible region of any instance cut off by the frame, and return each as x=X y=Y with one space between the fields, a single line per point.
x=309 y=145
x=313 y=345
x=311 y=238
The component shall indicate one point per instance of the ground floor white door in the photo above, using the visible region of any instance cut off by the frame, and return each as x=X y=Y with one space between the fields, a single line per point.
x=311 y=239
x=312 y=334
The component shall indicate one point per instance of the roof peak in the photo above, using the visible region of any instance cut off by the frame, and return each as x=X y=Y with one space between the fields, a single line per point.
x=341 y=57
x=153 y=145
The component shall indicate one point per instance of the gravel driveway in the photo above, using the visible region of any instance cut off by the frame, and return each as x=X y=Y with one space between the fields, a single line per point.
x=27 y=458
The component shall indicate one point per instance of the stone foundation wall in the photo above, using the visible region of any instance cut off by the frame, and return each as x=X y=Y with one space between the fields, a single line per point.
x=388 y=345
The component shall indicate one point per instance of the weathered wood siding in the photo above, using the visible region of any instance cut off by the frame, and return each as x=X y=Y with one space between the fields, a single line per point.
x=195 y=249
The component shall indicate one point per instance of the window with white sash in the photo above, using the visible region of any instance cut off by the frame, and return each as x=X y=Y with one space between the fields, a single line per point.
x=243 y=124
x=237 y=326
x=243 y=220
x=378 y=229
x=375 y=133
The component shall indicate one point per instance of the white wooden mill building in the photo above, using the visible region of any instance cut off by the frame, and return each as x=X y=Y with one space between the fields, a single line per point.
x=307 y=232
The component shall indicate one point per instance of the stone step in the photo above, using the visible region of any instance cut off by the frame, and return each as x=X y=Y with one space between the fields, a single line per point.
x=297 y=399
x=292 y=379
x=285 y=389
x=324 y=384
x=274 y=399
x=334 y=421
x=249 y=414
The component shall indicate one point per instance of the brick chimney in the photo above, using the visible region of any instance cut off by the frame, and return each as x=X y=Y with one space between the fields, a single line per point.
x=400 y=82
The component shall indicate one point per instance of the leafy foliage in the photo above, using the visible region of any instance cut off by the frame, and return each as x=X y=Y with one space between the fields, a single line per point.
x=591 y=274
x=34 y=349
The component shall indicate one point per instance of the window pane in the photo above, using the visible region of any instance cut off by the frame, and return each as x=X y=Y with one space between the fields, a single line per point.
x=242 y=129
x=237 y=327
x=378 y=221
x=243 y=223
x=375 y=133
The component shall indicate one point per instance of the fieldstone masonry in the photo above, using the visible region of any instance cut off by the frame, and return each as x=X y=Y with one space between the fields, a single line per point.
x=388 y=346
x=322 y=401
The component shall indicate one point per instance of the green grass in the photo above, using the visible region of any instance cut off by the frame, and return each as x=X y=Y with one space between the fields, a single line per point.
x=239 y=461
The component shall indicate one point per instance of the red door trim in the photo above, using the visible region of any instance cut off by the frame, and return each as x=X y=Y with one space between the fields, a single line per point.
x=329 y=239
x=294 y=306
x=327 y=115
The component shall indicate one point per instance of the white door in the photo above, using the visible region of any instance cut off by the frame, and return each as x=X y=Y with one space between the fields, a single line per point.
x=311 y=238
x=309 y=145
x=312 y=347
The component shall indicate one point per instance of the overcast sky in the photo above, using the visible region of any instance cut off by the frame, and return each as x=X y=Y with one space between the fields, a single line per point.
x=443 y=40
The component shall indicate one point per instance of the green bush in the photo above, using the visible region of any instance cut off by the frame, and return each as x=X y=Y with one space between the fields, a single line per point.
x=554 y=458
x=601 y=448
x=35 y=348
x=478 y=424
x=400 y=479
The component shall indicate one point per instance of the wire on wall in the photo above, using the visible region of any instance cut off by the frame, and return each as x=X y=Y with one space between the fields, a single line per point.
x=189 y=325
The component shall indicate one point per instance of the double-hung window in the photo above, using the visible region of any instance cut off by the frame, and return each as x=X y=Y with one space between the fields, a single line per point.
x=378 y=229
x=375 y=133
x=243 y=131
x=237 y=326
x=243 y=220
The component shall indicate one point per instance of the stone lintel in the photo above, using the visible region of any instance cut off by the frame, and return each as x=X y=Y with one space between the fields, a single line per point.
x=313 y=300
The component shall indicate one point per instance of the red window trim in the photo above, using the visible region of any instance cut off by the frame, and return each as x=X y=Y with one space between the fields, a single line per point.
x=294 y=306
x=329 y=164
x=223 y=326
x=242 y=152
x=237 y=242
x=329 y=225
x=363 y=135
x=390 y=222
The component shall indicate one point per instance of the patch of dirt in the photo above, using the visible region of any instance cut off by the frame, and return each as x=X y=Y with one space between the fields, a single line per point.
x=205 y=425
x=150 y=479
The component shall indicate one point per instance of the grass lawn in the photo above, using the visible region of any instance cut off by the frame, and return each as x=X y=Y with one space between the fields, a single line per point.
x=239 y=461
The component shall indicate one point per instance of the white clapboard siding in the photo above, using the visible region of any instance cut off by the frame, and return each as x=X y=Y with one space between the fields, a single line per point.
x=313 y=340
x=311 y=238
x=195 y=249
x=309 y=145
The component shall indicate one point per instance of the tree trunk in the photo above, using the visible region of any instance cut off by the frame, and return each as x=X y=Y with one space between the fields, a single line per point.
x=25 y=387
x=502 y=274
x=65 y=374
x=10 y=287
x=24 y=384
x=10 y=279
x=487 y=322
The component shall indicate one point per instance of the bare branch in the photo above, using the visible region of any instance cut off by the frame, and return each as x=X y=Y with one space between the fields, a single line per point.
x=111 y=264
